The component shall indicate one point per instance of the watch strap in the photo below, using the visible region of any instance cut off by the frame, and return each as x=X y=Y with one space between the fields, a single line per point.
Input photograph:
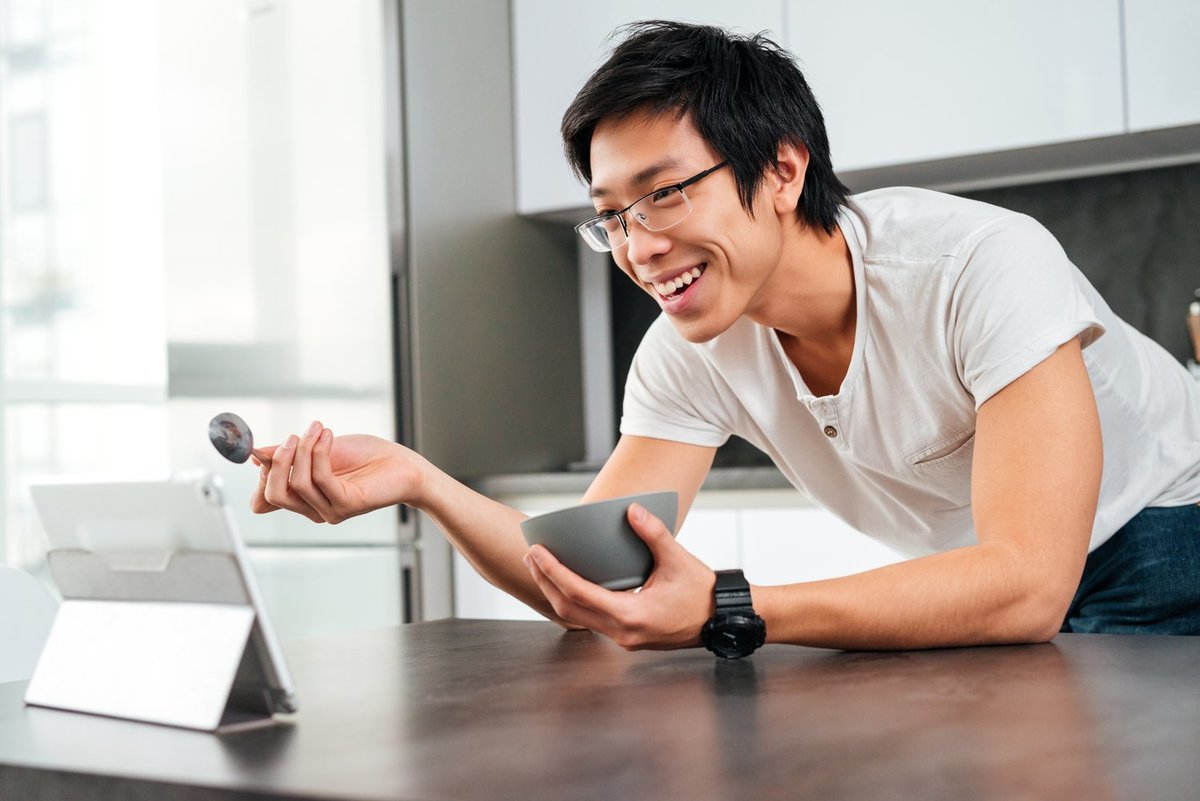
x=732 y=591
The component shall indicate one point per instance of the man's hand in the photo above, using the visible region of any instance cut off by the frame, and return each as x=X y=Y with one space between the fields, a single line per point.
x=668 y=611
x=329 y=479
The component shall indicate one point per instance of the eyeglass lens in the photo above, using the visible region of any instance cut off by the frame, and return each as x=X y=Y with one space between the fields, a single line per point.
x=655 y=212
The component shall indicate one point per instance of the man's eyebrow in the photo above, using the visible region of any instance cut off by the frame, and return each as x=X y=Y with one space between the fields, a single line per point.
x=641 y=177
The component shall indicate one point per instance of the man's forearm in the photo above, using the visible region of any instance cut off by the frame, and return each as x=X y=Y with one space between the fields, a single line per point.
x=487 y=533
x=969 y=596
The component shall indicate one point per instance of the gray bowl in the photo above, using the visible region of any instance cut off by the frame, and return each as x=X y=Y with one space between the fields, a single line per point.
x=596 y=541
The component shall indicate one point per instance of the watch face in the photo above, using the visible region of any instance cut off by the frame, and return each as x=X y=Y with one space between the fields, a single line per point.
x=734 y=635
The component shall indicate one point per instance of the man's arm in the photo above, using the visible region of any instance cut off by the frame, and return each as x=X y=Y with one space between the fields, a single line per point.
x=488 y=534
x=1035 y=485
x=330 y=479
x=641 y=464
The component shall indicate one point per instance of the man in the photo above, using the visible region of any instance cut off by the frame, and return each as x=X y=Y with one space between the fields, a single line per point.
x=932 y=369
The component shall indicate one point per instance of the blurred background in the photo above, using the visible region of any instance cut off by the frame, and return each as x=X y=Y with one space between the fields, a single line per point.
x=194 y=220
x=359 y=212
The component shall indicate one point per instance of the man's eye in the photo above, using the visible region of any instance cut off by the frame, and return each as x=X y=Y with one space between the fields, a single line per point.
x=610 y=221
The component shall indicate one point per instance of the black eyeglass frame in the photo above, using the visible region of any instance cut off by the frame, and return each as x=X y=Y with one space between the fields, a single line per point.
x=620 y=215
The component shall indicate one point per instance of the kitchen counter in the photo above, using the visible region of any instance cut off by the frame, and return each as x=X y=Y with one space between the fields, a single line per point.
x=461 y=709
x=720 y=479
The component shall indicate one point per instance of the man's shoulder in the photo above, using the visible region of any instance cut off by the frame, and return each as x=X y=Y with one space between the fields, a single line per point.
x=908 y=223
x=918 y=202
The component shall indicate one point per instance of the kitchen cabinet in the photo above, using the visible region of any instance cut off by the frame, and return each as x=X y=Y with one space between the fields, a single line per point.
x=1162 y=63
x=714 y=537
x=556 y=46
x=320 y=591
x=784 y=546
x=933 y=79
x=931 y=93
x=774 y=544
x=476 y=599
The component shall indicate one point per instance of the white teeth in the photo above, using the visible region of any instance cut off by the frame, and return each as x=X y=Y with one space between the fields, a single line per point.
x=678 y=282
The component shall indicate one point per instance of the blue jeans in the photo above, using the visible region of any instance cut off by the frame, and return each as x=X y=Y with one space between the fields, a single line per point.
x=1145 y=580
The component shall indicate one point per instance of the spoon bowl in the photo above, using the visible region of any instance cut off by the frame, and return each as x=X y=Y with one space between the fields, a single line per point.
x=233 y=439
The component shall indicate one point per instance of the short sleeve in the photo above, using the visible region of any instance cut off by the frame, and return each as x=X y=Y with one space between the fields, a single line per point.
x=1017 y=299
x=673 y=393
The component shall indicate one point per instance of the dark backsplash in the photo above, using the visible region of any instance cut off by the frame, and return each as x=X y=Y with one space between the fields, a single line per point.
x=1135 y=235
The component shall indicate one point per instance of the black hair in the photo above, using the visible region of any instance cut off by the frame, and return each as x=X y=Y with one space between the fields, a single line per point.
x=745 y=95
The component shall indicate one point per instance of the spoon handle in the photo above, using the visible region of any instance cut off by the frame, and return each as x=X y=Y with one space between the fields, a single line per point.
x=261 y=456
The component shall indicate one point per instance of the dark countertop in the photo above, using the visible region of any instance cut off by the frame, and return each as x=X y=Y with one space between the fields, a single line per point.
x=463 y=709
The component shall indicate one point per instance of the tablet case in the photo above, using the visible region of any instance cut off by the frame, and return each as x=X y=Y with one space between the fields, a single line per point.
x=169 y=637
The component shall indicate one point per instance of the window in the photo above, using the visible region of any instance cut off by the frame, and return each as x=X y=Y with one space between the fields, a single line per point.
x=192 y=220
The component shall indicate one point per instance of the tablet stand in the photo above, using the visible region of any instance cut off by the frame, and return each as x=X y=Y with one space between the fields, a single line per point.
x=171 y=643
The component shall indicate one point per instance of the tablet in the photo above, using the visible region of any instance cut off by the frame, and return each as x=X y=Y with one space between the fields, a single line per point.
x=159 y=541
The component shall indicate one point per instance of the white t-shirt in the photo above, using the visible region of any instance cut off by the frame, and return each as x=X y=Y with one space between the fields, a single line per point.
x=955 y=299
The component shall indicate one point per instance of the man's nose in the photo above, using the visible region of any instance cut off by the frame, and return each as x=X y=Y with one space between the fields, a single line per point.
x=643 y=245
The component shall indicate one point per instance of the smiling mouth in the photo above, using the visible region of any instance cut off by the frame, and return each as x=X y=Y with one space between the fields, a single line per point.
x=678 y=285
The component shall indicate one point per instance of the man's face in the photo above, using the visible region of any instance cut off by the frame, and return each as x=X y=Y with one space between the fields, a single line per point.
x=733 y=254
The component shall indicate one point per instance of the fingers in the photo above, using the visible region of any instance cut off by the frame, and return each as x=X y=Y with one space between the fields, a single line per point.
x=260 y=456
x=258 y=502
x=573 y=598
x=323 y=477
x=301 y=480
x=277 y=490
x=298 y=476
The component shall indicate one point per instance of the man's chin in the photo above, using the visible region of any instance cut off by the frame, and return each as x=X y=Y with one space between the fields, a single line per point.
x=697 y=332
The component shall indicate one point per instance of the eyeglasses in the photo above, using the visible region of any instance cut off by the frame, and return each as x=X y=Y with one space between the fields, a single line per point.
x=656 y=211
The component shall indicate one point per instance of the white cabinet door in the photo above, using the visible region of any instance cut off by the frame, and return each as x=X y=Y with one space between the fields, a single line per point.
x=476 y=598
x=1162 y=63
x=711 y=535
x=784 y=546
x=556 y=45
x=930 y=79
x=314 y=592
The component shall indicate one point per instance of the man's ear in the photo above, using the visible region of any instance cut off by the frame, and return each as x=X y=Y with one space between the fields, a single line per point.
x=786 y=179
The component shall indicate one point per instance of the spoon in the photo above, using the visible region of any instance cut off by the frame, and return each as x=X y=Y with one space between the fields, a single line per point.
x=231 y=437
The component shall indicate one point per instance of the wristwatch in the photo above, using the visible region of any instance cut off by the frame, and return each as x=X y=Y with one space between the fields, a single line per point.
x=734 y=630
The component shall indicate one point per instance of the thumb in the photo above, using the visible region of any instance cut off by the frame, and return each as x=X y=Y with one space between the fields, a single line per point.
x=652 y=531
